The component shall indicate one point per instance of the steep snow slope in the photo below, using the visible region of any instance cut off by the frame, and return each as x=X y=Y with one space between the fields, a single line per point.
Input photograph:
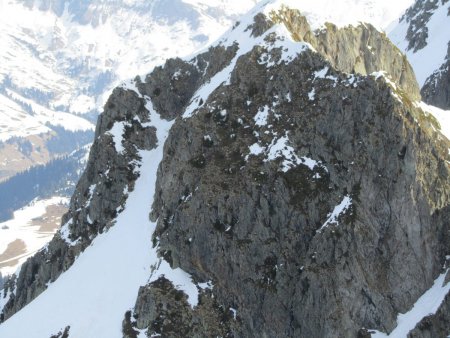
x=426 y=305
x=423 y=34
x=93 y=295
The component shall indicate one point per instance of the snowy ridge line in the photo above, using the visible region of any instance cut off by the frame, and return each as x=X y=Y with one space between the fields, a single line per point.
x=380 y=13
x=427 y=304
x=241 y=36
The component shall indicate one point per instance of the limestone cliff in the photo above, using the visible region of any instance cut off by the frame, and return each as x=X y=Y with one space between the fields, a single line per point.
x=250 y=185
x=301 y=187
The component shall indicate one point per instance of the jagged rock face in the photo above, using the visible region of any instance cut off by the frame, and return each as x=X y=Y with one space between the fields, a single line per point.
x=311 y=198
x=436 y=90
x=100 y=194
x=232 y=209
x=361 y=50
x=163 y=309
x=171 y=87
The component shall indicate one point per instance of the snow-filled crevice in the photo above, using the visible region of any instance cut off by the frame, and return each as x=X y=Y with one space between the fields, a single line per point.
x=102 y=284
x=426 y=305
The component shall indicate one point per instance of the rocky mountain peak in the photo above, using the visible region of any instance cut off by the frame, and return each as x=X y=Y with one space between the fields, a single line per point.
x=355 y=50
x=297 y=173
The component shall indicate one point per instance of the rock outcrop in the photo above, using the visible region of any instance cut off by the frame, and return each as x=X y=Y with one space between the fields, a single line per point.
x=301 y=187
x=354 y=50
x=311 y=199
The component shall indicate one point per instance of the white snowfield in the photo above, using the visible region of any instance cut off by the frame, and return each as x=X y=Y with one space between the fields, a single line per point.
x=21 y=227
x=35 y=119
x=443 y=117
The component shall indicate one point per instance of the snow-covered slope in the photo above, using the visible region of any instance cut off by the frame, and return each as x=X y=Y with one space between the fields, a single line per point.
x=423 y=34
x=426 y=305
x=30 y=229
x=117 y=263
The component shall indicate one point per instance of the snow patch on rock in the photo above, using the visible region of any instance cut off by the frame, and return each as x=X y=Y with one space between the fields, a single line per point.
x=426 y=305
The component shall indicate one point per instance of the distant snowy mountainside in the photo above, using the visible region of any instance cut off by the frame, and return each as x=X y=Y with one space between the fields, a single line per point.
x=59 y=60
x=72 y=53
x=423 y=34
x=29 y=230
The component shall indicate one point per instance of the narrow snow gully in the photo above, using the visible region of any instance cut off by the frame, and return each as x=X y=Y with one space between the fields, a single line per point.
x=94 y=294
x=427 y=304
